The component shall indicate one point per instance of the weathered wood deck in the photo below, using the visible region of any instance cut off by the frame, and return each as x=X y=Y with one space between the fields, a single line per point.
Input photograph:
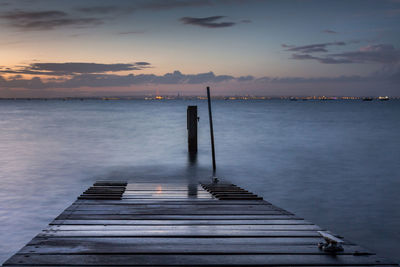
x=142 y=224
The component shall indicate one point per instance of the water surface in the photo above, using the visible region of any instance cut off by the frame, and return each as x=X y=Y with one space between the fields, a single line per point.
x=335 y=163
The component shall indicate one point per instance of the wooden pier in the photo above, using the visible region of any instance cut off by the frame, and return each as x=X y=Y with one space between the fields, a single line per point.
x=146 y=224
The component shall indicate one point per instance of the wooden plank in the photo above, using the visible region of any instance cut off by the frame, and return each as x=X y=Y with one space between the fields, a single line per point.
x=169 y=206
x=73 y=246
x=181 y=222
x=209 y=241
x=176 y=212
x=195 y=260
x=99 y=197
x=163 y=197
x=172 y=193
x=188 y=201
x=110 y=183
x=181 y=210
x=173 y=217
x=155 y=265
x=155 y=189
x=166 y=195
x=187 y=233
x=182 y=227
x=138 y=190
x=160 y=187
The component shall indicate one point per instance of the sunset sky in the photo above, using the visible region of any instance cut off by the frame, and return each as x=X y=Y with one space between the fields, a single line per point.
x=54 y=48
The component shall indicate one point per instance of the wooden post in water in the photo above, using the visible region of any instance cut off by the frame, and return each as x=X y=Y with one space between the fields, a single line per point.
x=211 y=131
x=192 y=128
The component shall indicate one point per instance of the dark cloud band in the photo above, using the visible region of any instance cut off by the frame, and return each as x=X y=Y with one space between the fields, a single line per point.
x=112 y=80
x=313 y=48
x=46 y=20
x=72 y=68
x=207 y=22
x=381 y=53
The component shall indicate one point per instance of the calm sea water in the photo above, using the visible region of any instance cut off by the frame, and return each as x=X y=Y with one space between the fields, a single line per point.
x=336 y=163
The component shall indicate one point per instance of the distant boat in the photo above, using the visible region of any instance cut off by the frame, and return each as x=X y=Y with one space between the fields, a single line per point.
x=293 y=99
x=368 y=99
x=383 y=98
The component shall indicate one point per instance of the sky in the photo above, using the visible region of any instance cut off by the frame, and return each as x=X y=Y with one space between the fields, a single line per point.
x=53 y=48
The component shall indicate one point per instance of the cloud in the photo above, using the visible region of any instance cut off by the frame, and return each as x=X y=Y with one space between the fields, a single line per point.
x=389 y=72
x=388 y=75
x=302 y=56
x=158 y=5
x=89 y=16
x=380 y=53
x=45 y=20
x=245 y=78
x=325 y=60
x=154 y=5
x=207 y=22
x=142 y=63
x=34 y=83
x=72 y=68
x=171 y=4
x=329 y=31
x=313 y=48
x=25 y=15
x=295 y=80
x=112 y=80
x=106 y=10
x=176 y=77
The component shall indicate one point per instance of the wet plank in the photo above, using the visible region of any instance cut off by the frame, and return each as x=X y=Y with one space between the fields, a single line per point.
x=167 y=211
x=77 y=247
x=194 y=260
x=182 y=233
x=172 y=208
x=289 y=221
x=163 y=225
x=187 y=201
x=207 y=241
x=172 y=217
x=297 y=227
x=169 y=206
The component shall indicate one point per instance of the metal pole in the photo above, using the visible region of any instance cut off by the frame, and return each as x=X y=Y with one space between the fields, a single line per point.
x=211 y=130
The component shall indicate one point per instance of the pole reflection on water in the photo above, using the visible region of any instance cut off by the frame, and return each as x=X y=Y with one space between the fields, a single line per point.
x=192 y=175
